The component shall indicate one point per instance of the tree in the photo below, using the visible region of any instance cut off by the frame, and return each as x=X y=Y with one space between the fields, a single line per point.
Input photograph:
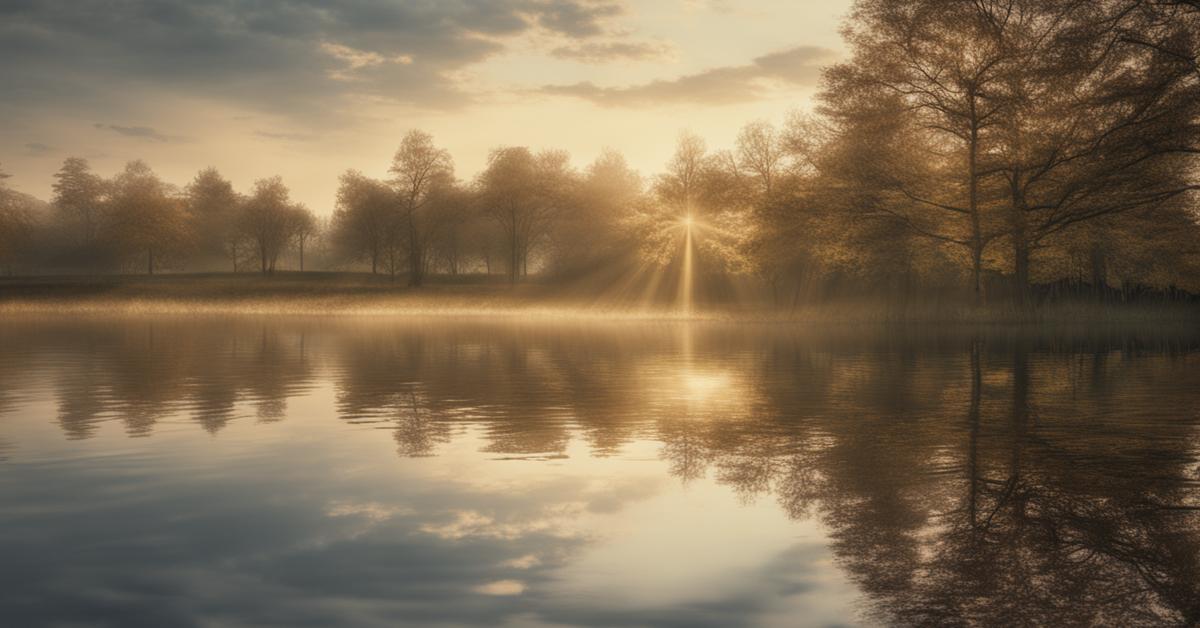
x=17 y=225
x=593 y=236
x=267 y=220
x=760 y=153
x=680 y=185
x=941 y=59
x=1094 y=123
x=304 y=227
x=524 y=193
x=417 y=168
x=145 y=218
x=453 y=213
x=78 y=198
x=364 y=224
x=213 y=205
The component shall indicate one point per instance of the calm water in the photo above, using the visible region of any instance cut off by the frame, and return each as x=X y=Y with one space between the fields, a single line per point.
x=158 y=472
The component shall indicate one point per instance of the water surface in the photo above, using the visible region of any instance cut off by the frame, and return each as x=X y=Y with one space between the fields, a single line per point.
x=255 y=471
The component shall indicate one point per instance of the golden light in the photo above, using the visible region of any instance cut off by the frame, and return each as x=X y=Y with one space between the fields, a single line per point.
x=687 y=221
x=703 y=386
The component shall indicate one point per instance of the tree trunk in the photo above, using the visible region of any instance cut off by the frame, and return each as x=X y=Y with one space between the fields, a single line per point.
x=512 y=266
x=414 y=253
x=149 y=261
x=1021 y=270
x=1020 y=237
x=1099 y=268
x=301 y=254
x=973 y=416
x=973 y=199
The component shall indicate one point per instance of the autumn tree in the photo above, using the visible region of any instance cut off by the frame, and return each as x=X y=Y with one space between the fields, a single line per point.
x=78 y=199
x=213 y=205
x=267 y=219
x=145 y=218
x=18 y=223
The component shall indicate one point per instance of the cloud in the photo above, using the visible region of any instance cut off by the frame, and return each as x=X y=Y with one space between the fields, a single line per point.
x=37 y=148
x=277 y=56
x=576 y=18
x=800 y=66
x=609 y=51
x=139 y=132
x=282 y=135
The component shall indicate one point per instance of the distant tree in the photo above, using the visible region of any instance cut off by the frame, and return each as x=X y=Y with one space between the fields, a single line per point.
x=593 y=235
x=213 y=205
x=680 y=185
x=268 y=221
x=760 y=153
x=364 y=225
x=304 y=227
x=523 y=193
x=453 y=212
x=18 y=223
x=78 y=199
x=145 y=218
x=417 y=168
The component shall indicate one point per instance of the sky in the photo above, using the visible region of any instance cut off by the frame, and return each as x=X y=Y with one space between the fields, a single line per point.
x=307 y=89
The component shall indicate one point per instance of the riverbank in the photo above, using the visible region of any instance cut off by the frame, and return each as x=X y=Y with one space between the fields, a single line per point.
x=355 y=294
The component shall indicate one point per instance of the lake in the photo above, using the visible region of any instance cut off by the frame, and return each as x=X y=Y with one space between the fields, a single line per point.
x=368 y=472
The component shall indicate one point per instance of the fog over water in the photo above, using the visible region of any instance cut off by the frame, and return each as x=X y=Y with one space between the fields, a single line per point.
x=272 y=471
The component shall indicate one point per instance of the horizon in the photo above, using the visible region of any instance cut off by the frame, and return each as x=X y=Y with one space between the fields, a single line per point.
x=510 y=74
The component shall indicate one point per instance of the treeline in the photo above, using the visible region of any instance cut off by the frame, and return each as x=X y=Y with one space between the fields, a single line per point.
x=136 y=222
x=979 y=148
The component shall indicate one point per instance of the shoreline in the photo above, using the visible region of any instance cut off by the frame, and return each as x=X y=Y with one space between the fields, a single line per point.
x=365 y=296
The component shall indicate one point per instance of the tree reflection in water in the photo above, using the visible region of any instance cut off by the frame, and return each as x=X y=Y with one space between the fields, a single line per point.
x=963 y=479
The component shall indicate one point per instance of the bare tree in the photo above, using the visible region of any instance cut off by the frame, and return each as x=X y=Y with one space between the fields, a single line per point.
x=941 y=59
x=416 y=168
x=760 y=152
